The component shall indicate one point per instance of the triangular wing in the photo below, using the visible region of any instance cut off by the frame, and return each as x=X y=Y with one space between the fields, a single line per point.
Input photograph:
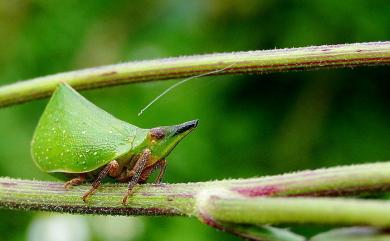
x=75 y=136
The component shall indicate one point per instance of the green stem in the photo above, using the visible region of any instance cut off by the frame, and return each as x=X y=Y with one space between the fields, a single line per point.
x=182 y=199
x=236 y=206
x=258 y=62
x=261 y=233
x=269 y=210
x=353 y=234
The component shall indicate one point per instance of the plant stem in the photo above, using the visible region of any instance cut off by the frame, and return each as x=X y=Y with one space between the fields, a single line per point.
x=262 y=233
x=353 y=233
x=257 y=62
x=270 y=210
x=183 y=199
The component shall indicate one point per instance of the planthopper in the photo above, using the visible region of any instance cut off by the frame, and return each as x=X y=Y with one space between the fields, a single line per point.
x=78 y=140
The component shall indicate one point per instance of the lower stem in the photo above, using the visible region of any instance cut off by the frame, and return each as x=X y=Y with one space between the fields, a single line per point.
x=223 y=204
x=335 y=211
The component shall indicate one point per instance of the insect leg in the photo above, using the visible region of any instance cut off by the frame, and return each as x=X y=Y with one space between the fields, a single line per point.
x=115 y=169
x=75 y=181
x=137 y=170
x=102 y=174
x=146 y=173
x=162 y=164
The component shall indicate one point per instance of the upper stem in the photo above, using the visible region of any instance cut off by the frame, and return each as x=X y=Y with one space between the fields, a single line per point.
x=262 y=61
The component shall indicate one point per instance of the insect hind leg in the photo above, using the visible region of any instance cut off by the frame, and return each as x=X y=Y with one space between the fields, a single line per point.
x=75 y=181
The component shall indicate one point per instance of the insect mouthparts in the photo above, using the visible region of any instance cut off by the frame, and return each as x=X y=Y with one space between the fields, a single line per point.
x=186 y=126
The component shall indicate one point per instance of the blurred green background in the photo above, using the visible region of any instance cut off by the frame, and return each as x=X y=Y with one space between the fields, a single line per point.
x=249 y=125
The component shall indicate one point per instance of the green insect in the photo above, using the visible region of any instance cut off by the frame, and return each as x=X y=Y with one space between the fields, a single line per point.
x=76 y=138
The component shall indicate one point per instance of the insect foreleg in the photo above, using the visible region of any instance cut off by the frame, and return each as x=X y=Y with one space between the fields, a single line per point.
x=137 y=170
x=110 y=168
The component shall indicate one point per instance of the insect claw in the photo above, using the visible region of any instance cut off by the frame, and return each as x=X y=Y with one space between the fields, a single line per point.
x=67 y=185
x=86 y=195
x=124 y=200
x=126 y=197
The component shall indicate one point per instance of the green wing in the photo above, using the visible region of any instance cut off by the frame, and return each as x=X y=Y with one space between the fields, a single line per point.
x=75 y=136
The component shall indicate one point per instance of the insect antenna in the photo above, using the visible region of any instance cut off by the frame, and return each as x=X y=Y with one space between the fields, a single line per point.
x=180 y=83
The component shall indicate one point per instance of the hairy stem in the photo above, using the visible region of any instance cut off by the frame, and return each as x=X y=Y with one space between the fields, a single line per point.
x=251 y=62
x=270 y=210
x=183 y=199
x=353 y=233
x=261 y=233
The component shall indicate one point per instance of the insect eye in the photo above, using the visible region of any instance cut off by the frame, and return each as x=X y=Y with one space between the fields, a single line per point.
x=157 y=133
